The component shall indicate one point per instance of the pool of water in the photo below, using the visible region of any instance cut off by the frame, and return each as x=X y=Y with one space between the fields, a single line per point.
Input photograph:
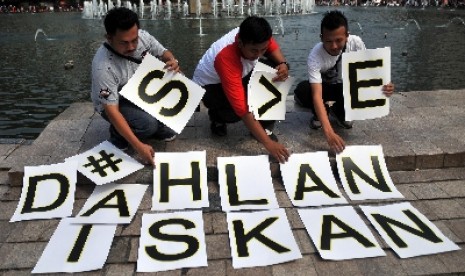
x=427 y=48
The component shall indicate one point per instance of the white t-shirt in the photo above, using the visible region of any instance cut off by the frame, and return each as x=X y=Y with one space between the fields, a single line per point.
x=320 y=63
x=111 y=72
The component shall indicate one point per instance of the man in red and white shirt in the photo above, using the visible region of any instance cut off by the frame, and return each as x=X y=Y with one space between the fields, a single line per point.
x=224 y=72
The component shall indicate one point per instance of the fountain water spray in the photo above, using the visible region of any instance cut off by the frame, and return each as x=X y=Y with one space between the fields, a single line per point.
x=38 y=32
x=416 y=23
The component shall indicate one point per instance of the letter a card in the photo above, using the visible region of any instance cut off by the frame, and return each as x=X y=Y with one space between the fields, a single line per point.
x=407 y=231
x=48 y=192
x=76 y=248
x=339 y=233
x=267 y=98
x=170 y=97
x=171 y=241
x=309 y=180
x=105 y=163
x=364 y=174
x=261 y=238
x=363 y=75
x=112 y=203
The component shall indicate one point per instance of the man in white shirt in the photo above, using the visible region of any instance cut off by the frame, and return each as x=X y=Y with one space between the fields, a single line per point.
x=323 y=93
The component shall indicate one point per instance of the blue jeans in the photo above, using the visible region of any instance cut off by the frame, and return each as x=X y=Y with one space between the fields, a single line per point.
x=141 y=123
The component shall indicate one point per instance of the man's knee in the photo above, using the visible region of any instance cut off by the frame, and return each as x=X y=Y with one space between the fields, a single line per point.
x=144 y=127
x=303 y=94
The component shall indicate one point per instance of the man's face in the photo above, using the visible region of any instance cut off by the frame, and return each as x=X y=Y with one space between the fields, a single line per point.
x=334 y=41
x=253 y=51
x=124 y=42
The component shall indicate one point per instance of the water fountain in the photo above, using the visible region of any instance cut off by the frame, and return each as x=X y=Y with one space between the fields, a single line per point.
x=360 y=27
x=96 y=9
x=153 y=9
x=214 y=4
x=141 y=8
x=185 y=9
x=168 y=9
x=279 y=27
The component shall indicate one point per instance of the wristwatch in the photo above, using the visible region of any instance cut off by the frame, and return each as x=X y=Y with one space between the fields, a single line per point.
x=285 y=62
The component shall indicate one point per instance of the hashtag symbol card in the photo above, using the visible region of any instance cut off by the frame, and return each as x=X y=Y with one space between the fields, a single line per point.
x=105 y=163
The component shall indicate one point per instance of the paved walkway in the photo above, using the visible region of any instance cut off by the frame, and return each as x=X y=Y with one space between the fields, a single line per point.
x=423 y=140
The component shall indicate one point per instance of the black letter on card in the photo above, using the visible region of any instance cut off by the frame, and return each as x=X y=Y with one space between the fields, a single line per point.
x=31 y=192
x=350 y=168
x=355 y=85
x=277 y=99
x=349 y=232
x=121 y=204
x=165 y=182
x=81 y=240
x=424 y=231
x=306 y=170
x=106 y=161
x=243 y=238
x=165 y=90
x=232 y=189
x=191 y=242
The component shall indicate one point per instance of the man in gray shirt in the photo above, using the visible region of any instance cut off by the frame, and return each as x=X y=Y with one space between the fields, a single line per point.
x=113 y=65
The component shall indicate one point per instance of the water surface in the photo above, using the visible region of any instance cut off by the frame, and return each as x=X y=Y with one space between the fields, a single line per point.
x=427 y=47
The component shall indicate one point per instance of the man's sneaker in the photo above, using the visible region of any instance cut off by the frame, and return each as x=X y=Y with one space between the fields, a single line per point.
x=166 y=134
x=341 y=122
x=315 y=123
x=219 y=129
x=271 y=135
x=345 y=124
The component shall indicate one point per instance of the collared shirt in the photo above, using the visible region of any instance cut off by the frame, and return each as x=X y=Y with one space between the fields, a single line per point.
x=111 y=72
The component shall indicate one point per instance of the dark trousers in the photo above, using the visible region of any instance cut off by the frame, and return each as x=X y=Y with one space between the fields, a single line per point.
x=219 y=108
x=331 y=92
x=142 y=124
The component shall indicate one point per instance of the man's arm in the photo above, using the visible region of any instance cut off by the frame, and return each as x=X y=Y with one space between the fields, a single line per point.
x=283 y=69
x=172 y=64
x=145 y=151
x=277 y=150
x=335 y=142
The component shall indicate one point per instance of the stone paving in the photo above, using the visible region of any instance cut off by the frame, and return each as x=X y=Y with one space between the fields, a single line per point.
x=423 y=140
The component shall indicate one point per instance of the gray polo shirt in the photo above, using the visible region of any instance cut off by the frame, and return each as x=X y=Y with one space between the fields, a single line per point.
x=111 y=72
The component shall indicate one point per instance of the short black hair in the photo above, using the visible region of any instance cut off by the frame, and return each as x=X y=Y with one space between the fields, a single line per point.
x=254 y=30
x=333 y=20
x=120 y=19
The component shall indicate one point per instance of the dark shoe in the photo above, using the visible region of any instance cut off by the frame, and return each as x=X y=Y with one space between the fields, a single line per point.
x=268 y=125
x=219 y=129
x=315 y=123
x=271 y=135
x=340 y=120
x=165 y=133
